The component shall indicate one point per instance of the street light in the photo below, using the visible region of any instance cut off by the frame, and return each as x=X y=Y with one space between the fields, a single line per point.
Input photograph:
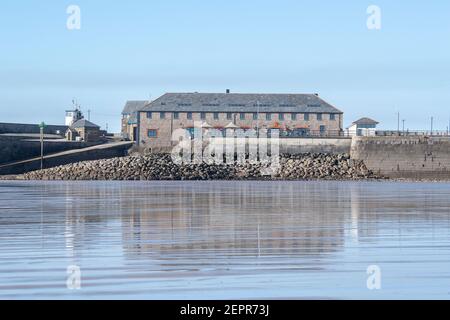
x=42 y=126
x=432 y=125
x=257 y=119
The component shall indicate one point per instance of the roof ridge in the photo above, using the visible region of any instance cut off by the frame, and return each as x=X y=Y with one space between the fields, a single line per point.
x=243 y=93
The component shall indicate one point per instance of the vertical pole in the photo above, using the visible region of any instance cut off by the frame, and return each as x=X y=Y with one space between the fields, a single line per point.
x=398 y=123
x=138 y=131
x=257 y=120
x=432 y=125
x=42 y=148
x=171 y=128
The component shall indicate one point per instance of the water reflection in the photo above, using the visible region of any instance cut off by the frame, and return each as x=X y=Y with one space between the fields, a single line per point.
x=231 y=219
x=140 y=233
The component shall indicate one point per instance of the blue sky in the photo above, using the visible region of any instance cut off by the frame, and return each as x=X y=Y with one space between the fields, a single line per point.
x=132 y=50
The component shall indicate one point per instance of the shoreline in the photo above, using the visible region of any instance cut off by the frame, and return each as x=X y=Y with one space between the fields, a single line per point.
x=385 y=179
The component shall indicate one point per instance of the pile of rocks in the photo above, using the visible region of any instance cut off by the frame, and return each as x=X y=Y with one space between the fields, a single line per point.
x=323 y=166
x=161 y=167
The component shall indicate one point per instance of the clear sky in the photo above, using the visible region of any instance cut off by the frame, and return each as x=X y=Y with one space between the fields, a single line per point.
x=133 y=50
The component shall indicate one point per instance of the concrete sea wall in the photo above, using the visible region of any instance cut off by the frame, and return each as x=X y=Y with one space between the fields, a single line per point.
x=315 y=145
x=103 y=151
x=15 y=148
x=30 y=128
x=405 y=157
x=286 y=145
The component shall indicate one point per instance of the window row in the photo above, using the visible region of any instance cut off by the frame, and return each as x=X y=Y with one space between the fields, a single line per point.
x=304 y=132
x=245 y=116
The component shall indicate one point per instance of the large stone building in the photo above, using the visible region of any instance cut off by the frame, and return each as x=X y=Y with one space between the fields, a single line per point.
x=294 y=115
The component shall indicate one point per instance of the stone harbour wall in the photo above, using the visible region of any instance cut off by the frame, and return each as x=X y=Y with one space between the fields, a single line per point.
x=413 y=157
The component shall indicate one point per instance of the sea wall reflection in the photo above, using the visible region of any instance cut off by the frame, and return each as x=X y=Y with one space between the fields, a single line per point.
x=181 y=239
x=228 y=218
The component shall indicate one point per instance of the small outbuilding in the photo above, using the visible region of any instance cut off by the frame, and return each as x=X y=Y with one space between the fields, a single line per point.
x=85 y=130
x=363 y=127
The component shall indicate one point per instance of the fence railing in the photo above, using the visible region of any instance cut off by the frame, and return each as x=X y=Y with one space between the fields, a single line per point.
x=408 y=133
x=314 y=134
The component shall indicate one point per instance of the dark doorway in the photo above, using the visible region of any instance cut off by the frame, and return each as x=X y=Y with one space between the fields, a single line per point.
x=135 y=134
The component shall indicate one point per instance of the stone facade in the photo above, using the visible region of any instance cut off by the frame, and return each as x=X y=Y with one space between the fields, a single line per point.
x=129 y=124
x=90 y=134
x=294 y=115
x=86 y=131
x=128 y=128
x=164 y=127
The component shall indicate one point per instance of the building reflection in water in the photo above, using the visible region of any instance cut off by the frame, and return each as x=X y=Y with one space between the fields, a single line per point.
x=233 y=219
x=186 y=239
x=219 y=219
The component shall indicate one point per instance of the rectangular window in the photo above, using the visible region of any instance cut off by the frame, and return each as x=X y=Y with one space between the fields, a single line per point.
x=242 y=116
x=176 y=115
x=189 y=115
x=229 y=116
x=332 y=116
x=149 y=115
x=203 y=115
x=268 y=116
x=255 y=116
x=306 y=116
x=216 y=116
x=294 y=116
x=319 y=117
x=281 y=116
x=152 y=133
x=162 y=115
x=322 y=129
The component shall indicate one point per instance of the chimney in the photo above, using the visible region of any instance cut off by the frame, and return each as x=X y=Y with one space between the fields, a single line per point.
x=228 y=91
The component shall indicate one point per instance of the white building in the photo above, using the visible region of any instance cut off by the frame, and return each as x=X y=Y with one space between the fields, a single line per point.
x=362 y=127
x=73 y=116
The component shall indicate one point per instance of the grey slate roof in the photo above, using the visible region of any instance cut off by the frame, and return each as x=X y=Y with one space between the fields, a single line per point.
x=83 y=123
x=133 y=106
x=239 y=102
x=365 y=121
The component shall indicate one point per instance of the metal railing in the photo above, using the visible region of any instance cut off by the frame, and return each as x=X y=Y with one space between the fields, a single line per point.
x=409 y=133
x=314 y=134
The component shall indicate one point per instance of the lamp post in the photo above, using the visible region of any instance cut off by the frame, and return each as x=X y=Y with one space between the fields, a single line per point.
x=42 y=126
x=448 y=128
x=432 y=119
x=257 y=119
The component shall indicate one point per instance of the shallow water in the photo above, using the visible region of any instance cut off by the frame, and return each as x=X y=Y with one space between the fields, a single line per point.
x=224 y=240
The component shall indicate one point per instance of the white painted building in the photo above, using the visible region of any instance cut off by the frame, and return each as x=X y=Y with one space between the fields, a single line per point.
x=73 y=116
x=363 y=127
